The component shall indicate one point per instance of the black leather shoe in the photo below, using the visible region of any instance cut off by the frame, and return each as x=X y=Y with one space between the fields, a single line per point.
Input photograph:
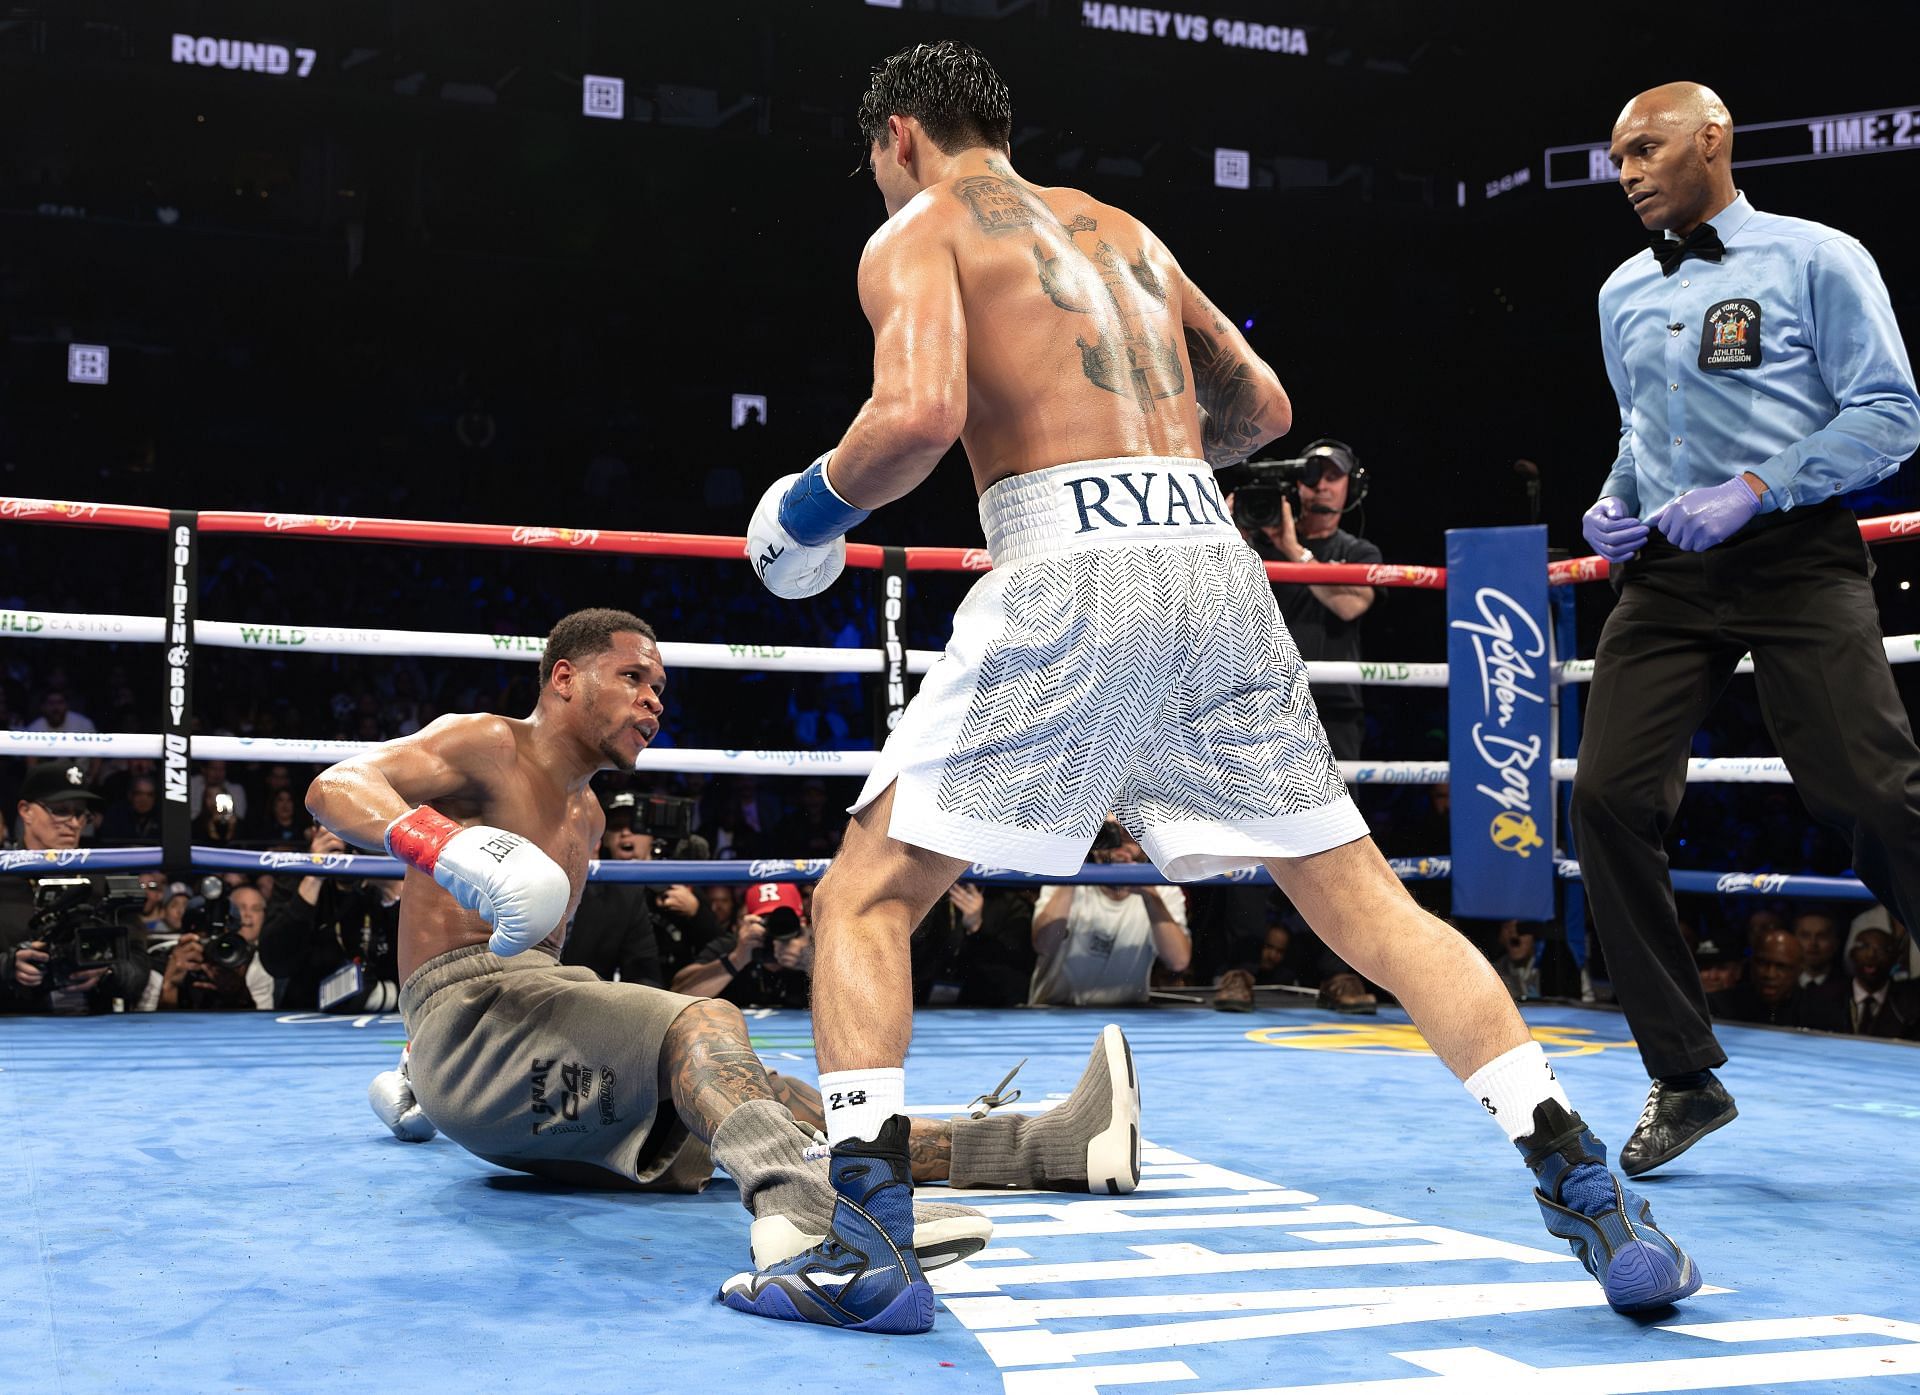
x=1673 y=1121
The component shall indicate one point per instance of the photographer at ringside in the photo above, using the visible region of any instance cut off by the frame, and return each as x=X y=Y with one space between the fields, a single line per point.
x=332 y=944
x=68 y=944
x=612 y=932
x=651 y=827
x=1292 y=511
x=210 y=962
x=766 y=962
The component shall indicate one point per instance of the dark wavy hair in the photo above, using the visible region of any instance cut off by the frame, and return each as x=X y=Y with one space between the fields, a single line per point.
x=585 y=633
x=949 y=88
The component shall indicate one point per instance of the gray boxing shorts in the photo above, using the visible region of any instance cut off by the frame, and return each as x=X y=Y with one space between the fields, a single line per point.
x=544 y=1068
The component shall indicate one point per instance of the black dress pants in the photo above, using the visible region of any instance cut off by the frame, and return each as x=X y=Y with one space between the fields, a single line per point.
x=1794 y=589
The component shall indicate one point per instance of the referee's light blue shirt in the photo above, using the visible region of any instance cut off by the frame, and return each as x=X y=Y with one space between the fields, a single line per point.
x=1783 y=358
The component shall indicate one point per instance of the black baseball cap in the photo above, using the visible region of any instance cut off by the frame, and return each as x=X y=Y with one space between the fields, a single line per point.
x=55 y=780
x=1707 y=953
x=622 y=803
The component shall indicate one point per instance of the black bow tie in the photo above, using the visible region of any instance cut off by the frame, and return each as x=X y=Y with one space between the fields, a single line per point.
x=1703 y=241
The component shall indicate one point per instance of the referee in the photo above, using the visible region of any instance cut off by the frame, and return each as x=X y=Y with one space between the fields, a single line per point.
x=1761 y=377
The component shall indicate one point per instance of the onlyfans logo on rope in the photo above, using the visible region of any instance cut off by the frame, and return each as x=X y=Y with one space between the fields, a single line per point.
x=787 y=757
x=572 y=537
x=1508 y=645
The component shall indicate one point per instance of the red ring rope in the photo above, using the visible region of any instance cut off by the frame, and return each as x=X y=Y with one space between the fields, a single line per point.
x=608 y=540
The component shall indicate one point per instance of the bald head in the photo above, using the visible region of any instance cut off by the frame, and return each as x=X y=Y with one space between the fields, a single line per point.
x=1687 y=105
x=1673 y=146
x=1776 y=965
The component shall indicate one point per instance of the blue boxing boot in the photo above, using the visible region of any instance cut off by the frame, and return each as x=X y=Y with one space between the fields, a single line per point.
x=863 y=1275
x=1611 y=1230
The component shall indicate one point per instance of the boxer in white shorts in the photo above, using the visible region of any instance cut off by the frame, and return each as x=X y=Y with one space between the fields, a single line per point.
x=1125 y=652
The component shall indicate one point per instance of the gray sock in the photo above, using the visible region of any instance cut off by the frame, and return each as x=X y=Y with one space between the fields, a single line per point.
x=1049 y=1152
x=1012 y=1150
x=764 y=1151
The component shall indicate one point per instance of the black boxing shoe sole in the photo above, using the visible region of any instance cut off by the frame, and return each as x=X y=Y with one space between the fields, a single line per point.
x=1637 y=1168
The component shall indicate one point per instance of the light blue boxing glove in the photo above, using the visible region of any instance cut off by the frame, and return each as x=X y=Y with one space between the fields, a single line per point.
x=796 y=540
x=1703 y=518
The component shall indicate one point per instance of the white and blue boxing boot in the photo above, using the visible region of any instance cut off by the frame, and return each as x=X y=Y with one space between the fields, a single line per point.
x=863 y=1275
x=1611 y=1230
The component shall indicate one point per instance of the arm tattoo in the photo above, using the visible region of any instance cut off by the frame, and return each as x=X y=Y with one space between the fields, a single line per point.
x=1230 y=399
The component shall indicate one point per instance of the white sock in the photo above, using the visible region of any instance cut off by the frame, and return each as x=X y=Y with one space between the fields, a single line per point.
x=858 y=1102
x=1511 y=1084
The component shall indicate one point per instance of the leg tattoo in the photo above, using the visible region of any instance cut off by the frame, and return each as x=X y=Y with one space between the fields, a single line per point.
x=710 y=1068
x=801 y=1099
x=929 y=1148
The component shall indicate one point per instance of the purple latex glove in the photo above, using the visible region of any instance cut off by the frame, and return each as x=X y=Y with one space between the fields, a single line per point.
x=1700 y=518
x=1611 y=531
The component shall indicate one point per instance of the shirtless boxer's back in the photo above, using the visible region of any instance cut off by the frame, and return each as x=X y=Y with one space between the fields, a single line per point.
x=1085 y=339
x=1124 y=655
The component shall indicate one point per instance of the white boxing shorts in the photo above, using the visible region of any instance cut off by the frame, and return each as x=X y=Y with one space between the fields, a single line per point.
x=1125 y=656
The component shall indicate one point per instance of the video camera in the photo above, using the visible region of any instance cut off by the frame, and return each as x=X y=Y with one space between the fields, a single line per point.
x=81 y=920
x=665 y=818
x=1259 y=486
x=668 y=820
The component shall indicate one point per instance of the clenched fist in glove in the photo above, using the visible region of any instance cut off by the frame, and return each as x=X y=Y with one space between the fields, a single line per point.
x=520 y=891
x=391 y=1095
x=796 y=540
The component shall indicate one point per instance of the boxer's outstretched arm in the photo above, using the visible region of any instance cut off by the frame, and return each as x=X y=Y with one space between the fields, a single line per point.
x=1242 y=405
x=453 y=758
x=910 y=290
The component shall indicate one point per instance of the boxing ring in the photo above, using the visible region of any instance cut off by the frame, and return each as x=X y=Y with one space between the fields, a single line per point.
x=203 y=1201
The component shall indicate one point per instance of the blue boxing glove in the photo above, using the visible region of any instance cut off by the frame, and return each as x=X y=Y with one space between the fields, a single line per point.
x=1701 y=518
x=1611 y=531
x=795 y=540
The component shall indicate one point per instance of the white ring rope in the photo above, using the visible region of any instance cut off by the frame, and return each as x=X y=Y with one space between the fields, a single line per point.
x=749 y=658
x=756 y=658
x=691 y=760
